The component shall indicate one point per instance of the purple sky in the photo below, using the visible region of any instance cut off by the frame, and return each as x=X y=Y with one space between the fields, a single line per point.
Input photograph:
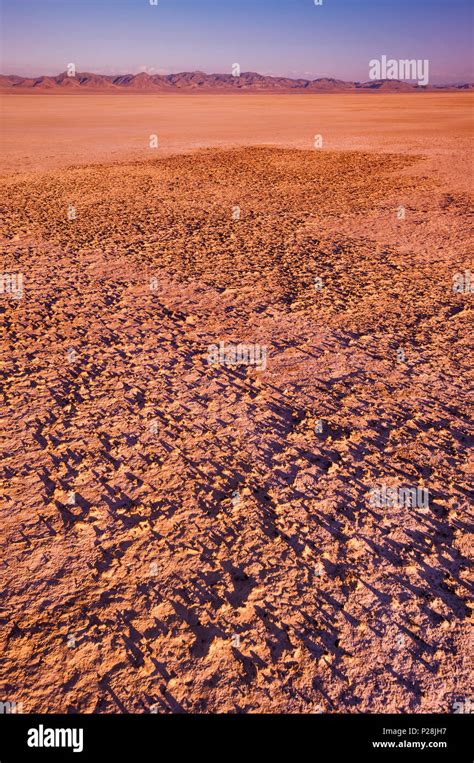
x=283 y=37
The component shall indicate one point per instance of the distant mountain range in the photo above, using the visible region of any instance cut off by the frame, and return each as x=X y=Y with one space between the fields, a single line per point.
x=249 y=82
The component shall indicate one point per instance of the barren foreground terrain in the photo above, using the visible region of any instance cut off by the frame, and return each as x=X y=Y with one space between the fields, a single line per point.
x=186 y=537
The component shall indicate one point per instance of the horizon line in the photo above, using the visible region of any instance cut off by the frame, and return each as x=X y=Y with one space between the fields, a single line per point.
x=163 y=75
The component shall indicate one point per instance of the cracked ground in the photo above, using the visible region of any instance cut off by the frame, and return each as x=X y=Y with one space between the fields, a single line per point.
x=182 y=537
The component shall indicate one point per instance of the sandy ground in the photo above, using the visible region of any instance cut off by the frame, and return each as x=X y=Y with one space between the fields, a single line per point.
x=41 y=131
x=187 y=537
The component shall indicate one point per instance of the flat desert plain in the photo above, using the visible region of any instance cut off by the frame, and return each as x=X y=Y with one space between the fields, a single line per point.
x=188 y=536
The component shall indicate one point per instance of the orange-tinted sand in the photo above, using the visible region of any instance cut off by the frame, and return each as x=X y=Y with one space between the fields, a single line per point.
x=43 y=132
x=183 y=537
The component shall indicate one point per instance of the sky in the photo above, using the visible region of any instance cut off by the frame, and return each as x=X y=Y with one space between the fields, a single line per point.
x=292 y=38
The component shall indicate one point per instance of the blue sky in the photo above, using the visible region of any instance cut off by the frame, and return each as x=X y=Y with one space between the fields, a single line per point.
x=286 y=37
